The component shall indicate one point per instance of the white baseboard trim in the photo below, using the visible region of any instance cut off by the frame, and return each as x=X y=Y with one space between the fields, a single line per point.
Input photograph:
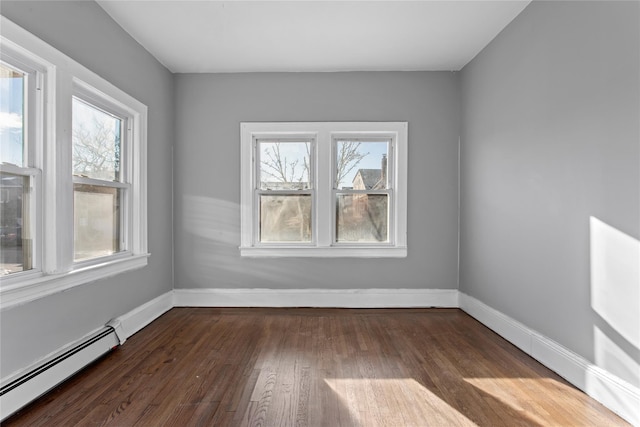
x=334 y=298
x=21 y=388
x=614 y=393
x=48 y=377
x=133 y=321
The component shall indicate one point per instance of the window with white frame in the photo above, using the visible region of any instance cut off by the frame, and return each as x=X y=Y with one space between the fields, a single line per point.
x=101 y=187
x=332 y=189
x=73 y=172
x=20 y=159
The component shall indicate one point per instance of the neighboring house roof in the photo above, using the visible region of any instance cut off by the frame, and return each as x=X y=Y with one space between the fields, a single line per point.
x=370 y=178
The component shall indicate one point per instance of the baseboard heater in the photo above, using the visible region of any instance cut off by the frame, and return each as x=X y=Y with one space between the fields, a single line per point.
x=27 y=387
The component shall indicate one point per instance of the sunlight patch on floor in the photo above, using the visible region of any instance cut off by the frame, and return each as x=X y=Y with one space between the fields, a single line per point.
x=375 y=402
x=532 y=398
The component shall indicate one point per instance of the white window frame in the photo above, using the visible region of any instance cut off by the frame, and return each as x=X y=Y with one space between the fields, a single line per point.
x=62 y=78
x=91 y=96
x=324 y=136
x=310 y=138
x=32 y=156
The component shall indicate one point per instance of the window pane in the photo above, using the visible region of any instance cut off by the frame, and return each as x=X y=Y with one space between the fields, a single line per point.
x=96 y=142
x=15 y=244
x=284 y=165
x=11 y=116
x=361 y=165
x=96 y=220
x=362 y=218
x=285 y=218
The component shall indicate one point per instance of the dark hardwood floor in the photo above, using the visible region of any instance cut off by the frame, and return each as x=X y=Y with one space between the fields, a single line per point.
x=315 y=367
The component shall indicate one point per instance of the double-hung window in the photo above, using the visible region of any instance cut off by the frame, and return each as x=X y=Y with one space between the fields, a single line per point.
x=101 y=187
x=72 y=172
x=284 y=192
x=20 y=162
x=328 y=189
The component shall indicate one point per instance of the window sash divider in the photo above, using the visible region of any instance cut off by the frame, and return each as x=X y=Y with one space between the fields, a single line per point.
x=52 y=80
x=324 y=191
x=284 y=192
x=19 y=170
x=336 y=191
x=99 y=182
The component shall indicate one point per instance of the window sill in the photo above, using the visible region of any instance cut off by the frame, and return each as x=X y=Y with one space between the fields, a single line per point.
x=324 y=252
x=26 y=289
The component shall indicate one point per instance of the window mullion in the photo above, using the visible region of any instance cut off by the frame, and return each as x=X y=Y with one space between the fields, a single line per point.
x=365 y=230
x=45 y=168
x=324 y=204
x=58 y=226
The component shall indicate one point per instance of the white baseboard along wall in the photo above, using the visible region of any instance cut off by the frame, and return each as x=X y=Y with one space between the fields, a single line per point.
x=20 y=388
x=616 y=394
x=334 y=298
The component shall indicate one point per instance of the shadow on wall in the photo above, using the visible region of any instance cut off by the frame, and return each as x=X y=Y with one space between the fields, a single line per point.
x=615 y=297
x=212 y=228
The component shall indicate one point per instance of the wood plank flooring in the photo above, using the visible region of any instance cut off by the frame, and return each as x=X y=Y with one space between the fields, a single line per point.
x=315 y=367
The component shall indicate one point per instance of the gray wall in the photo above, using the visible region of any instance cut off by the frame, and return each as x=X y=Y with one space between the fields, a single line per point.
x=550 y=140
x=86 y=33
x=209 y=109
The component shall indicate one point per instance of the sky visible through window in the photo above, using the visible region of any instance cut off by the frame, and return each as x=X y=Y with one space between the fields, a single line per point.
x=284 y=162
x=11 y=116
x=96 y=142
x=372 y=152
x=288 y=162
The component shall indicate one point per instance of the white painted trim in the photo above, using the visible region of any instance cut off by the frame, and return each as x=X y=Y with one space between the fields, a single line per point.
x=322 y=134
x=616 y=394
x=124 y=327
x=41 y=285
x=129 y=323
x=13 y=376
x=324 y=252
x=133 y=321
x=514 y=332
x=613 y=392
x=46 y=380
x=339 y=298
x=55 y=270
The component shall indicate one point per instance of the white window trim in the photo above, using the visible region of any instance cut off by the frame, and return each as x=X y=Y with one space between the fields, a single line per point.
x=323 y=133
x=62 y=79
x=306 y=137
x=126 y=114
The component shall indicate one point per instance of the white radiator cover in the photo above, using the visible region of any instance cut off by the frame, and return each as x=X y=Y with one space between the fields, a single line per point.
x=29 y=386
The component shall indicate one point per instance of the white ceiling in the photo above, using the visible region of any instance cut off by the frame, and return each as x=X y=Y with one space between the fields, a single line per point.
x=209 y=36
